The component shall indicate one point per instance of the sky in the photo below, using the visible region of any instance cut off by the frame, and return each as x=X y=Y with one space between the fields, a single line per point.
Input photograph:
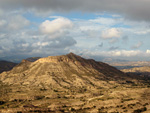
x=98 y=29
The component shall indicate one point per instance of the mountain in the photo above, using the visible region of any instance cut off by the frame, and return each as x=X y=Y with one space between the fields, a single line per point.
x=6 y=65
x=139 y=71
x=33 y=59
x=63 y=71
x=131 y=63
x=70 y=83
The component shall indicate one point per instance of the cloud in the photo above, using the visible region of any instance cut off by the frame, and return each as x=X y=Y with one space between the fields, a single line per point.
x=57 y=25
x=41 y=46
x=129 y=53
x=19 y=39
x=17 y=22
x=137 y=9
x=114 y=40
x=105 y=21
x=1 y=12
x=100 y=45
x=2 y=23
x=125 y=39
x=115 y=54
x=111 y=33
x=11 y=23
x=138 y=45
x=23 y=34
x=113 y=48
x=142 y=32
x=148 y=51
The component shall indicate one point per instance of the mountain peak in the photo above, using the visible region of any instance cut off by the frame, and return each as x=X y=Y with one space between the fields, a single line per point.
x=71 y=57
x=24 y=60
x=72 y=54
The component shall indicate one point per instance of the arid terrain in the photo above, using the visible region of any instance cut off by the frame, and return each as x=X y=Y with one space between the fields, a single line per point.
x=70 y=83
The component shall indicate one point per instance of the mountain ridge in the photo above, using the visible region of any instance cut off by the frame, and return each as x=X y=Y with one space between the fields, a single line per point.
x=62 y=68
x=6 y=65
x=70 y=83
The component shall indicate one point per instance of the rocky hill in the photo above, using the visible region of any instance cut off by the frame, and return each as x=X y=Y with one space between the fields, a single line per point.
x=131 y=63
x=63 y=72
x=70 y=83
x=6 y=66
x=139 y=71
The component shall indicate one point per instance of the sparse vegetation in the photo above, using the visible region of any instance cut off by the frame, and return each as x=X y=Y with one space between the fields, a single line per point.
x=140 y=110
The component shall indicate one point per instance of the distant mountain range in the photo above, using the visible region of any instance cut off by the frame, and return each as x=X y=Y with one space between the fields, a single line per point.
x=33 y=59
x=6 y=66
x=131 y=63
x=137 y=69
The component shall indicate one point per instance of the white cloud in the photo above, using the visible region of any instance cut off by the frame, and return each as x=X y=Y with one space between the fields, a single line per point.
x=142 y=32
x=43 y=43
x=58 y=34
x=2 y=23
x=130 y=53
x=57 y=25
x=104 y=21
x=115 y=53
x=111 y=33
x=25 y=45
x=120 y=53
x=138 y=45
x=148 y=51
x=17 y=22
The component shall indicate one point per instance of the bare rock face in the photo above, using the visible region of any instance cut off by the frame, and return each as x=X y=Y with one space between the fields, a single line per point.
x=64 y=71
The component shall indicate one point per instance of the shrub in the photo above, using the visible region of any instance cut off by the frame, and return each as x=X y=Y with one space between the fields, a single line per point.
x=140 y=110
